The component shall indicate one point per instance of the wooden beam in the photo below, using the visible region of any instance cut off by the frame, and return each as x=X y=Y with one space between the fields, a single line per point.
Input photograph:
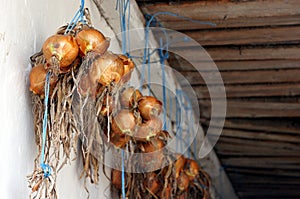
x=259 y=135
x=263 y=162
x=227 y=14
x=276 y=145
x=282 y=173
x=280 y=125
x=253 y=90
x=239 y=65
x=238 y=54
x=253 y=109
x=246 y=36
x=244 y=77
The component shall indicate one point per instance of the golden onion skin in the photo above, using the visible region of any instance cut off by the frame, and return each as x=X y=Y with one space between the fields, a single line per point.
x=63 y=47
x=91 y=40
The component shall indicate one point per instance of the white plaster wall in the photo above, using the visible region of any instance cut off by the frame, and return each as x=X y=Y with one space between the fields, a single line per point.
x=24 y=26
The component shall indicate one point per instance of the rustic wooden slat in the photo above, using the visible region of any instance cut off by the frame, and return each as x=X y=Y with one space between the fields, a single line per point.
x=280 y=173
x=271 y=35
x=251 y=180
x=238 y=91
x=244 y=77
x=238 y=109
x=238 y=54
x=263 y=162
x=269 y=193
x=228 y=14
x=276 y=145
x=180 y=64
x=229 y=149
x=281 y=125
x=259 y=135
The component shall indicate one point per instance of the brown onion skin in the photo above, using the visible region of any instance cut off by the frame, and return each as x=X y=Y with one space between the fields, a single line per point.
x=106 y=69
x=128 y=67
x=153 y=145
x=129 y=96
x=183 y=181
x=116 y=178
x=151 y=128
x=91 y=40
x=192 y=169
x=123 y=122
x=149 y=107
x=179 y=165
x=63 y=47
x=37 y=78
x=165 y=194
x=119 y=140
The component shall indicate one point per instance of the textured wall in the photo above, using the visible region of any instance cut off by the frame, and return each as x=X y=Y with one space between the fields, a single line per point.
x=24 y=26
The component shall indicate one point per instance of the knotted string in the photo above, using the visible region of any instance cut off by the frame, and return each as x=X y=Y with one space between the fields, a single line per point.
x=78 y=16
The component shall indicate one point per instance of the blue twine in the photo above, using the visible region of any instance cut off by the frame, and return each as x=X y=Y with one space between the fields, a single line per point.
x=123 y=175
x=46 y=168
x=163 y=57
x=78 y=16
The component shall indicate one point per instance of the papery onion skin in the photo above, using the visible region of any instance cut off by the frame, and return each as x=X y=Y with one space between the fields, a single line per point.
x=91 y=40
x=107 y=109
x=128 y=67
x=119 y=140
x=183 y=182
x=37 y=78
x=63 y=47
x=179 y=165
x=149 y=107
x=192 y=169
x=129 y=96
x=106 y=69
x=116 y=178
x=151 y=128
x=124 y=122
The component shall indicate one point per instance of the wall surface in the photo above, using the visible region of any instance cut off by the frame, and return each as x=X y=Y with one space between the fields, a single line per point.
x=23 y=28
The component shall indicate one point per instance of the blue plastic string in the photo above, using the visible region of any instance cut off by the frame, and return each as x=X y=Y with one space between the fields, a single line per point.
x=46 y=168
x=123 y=175
x=78 y=16
x=163 y=57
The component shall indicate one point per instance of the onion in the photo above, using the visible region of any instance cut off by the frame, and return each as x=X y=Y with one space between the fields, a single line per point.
x=119 y=140
x=123 y=122
x=106 y=69
x=128 y=67
x=166 y=192
x=153 y=145
x=37 y=78
x=149 y=107
x=129 y=96
x=63 y=47
x=150 y=128
x=152 y=183
x=91 y=39
x=183 y=182
x=179 y=165
x=116 y=178
x=192 y=169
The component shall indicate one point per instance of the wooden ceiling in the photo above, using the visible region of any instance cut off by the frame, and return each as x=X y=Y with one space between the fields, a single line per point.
x=256 y=47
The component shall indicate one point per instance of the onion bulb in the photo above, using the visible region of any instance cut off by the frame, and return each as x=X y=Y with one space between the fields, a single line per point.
x=63 y=47
x=153 y=145
x=149 y=107
x=91 y=40
x=119 y=140
x=129 y=96
x=128 y=67
x=106 y=69
x=192 y=169
x=148 y=129
x=37 y=78
x=179 y=165
x=183 y=182
x=116 y=178
x=123 y=123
